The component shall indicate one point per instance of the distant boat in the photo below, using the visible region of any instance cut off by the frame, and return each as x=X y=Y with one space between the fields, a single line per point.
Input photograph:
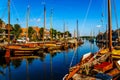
x=92 y=40
x=91 y=37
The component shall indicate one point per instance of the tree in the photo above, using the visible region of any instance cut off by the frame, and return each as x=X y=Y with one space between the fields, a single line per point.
x=31 y=31
x=1 y=30
x=67 y=33
x=41 y=32
x=59 y=34
x=54 y=32
x=1 y=21
x=16 y=31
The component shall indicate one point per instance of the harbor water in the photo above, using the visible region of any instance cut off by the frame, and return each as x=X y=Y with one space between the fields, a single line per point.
x=46 y=66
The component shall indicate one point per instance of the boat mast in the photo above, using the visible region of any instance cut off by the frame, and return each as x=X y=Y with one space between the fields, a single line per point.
x=51 y=24
x=27 y=18
x=64 y=29
x=102 y=25
x=8 y=21
x=90 y=35
x=74 y=33
x=44 y=21
x=77 y=33
x=106 y=36
x=77 y=29
x=109 y=26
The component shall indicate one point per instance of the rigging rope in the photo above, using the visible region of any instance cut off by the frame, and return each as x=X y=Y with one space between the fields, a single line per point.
x=3 y=14
x=5 y=10
x=87 y=13
x=73 y=58
x=82 y=26
x=102 y=15
x=116 y=18
x=12 y=3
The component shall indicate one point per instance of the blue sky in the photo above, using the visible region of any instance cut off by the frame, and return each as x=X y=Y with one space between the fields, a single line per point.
x=88 y=13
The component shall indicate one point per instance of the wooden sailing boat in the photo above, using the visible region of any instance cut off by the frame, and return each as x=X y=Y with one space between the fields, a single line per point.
x=96 y=69
x=15 y=48
x=27 y=47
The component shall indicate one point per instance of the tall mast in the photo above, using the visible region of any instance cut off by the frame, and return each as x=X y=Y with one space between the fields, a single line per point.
x=64 y=30
x=8 y=21
x=74 y=33
x=91 y=34
x=44 y=21
x=51 y=24
x=106 y=36
x=109 y=26
x=27 y=18
x=77 y=29
x=102 y=22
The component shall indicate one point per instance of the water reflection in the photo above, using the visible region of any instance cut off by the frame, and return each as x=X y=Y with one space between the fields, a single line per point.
x=77 y=52
x=16 y=63
x=27 y=71
x=9 y=69
x=51 y=67
x=46 y=66
x=3 y=65
x=42 y=56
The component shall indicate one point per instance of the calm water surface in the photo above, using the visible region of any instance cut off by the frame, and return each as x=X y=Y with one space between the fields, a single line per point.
x=46 y=67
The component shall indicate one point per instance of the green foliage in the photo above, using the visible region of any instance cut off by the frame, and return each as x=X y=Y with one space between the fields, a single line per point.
x=54 y=32
x=1 y=30
x=1 y=21
x=59 y=33
x=41 y=32
x=67 y=33
x=31 y=31
x=16 y=31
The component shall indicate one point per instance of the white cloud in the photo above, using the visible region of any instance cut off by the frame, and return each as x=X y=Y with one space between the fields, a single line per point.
x=98 y=26
x=38 y=20
x=35 y=20
x=32 y=20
